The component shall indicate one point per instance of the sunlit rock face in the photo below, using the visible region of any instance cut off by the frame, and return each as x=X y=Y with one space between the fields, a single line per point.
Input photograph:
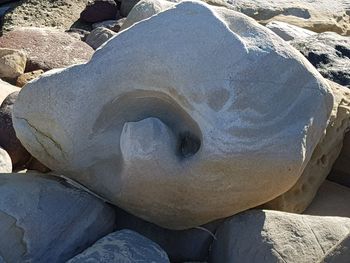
x=195 y=114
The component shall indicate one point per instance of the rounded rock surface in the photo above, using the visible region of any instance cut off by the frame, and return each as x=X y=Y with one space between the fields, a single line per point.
x=5 y=162
x=185 y=137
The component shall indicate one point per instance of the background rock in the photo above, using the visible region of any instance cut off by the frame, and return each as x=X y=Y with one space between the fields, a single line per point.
x=269 y=236
x=47 y=48
x=5 y=162
x=44 y=219
x=298 y=198
x=12 y=63
x=61 y=14
x=329 y=53
x=99 y=36
x=332 y=199
x=6 y=89
x=26 y=77
x=170 y=118
x=99 y=10
x=122 y=246
x=318 y=16
x=289 y=32
x=126 y=6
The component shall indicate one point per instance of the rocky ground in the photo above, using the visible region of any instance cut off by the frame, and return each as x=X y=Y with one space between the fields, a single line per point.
x=169 y=131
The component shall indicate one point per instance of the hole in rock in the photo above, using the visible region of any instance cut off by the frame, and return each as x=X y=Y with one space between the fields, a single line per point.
x=189 y=144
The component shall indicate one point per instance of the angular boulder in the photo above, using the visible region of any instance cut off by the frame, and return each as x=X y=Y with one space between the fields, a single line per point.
x=61 y=14
x=318 y=16
x=122 y=246
x=44 y=219
x=47 y=48
x=263 y=236
x=329 y=53
x=12 y=63
x=185 y=137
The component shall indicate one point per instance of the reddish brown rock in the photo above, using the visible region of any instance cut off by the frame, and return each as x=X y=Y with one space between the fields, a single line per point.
x=26 y=77
x=47 y=48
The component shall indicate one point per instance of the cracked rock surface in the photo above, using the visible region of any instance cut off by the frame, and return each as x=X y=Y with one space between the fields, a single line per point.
x=44 y=219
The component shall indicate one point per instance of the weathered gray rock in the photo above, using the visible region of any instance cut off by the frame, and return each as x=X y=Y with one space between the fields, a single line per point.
x=12 y=63
x=260 y=236
x=166 y=129
x=329 y=53
x=99 y=36
x=47 y=48
x=298 y=197
x=190 y=245
x=289 y=32
x=126 y=6
x=5 y=162
x=44 y=219
x=122 y=246
x=61 y=14
x=340 y=253
x=316 y=15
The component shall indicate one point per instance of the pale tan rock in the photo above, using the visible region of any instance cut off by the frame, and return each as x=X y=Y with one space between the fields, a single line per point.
x=12 y=63
x=298 y=198
x=6 y=89
x=26 y=77
x=332 y=199
x=263 y=236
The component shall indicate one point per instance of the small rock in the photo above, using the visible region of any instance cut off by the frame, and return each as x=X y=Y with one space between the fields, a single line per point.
x=43 y=45
x=12 y=63
x=122 y=246
x=99 y=36
x=26 y=77
x=329 y=53
x=113 y=25
x=289 y=32
x=259 y=236
x=44 y=219
x=5 y=162
x=8 y=139
x=99 y=10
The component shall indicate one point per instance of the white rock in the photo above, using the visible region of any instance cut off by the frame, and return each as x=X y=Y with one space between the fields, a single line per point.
x=174 y=127
x=43 y=219
x=316 y=15
x=260 y=236
x=5 y=162
x=123 y=246
x=6 y=89
x=289 y=32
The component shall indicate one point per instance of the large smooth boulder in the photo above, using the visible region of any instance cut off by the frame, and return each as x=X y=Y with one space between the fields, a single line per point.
x=61 y=14
x=263 y=236
x=329 y=53
x=190 y=245
x=299 y=197
x=123 y=246
x=316 y=15
x=185 y=137
x=44 y=219
x=47 y=48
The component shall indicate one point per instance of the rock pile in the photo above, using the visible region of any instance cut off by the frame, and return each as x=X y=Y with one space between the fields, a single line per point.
x=162 y=131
